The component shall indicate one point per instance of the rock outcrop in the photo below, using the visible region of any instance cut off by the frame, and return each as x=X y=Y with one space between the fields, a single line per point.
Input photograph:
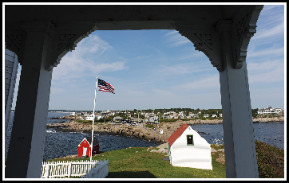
x=140 y=131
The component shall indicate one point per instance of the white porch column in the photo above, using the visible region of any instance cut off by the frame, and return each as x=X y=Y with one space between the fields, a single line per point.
x=239 y=138
x=26 y=148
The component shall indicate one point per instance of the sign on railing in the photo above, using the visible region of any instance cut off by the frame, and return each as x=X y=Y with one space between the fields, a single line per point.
x=60 y=169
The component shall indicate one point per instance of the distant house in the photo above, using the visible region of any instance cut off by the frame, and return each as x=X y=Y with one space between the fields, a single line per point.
x=90 y=117
x=278 y=110
x=214 y=115
x=172 y=115
x=269 y=110
x=190 y=115
x=151 y=117
x=182 y=115
x=117 y=119
x=196 y=115
x=206 y=115
x=188 y=149
x=84 y=148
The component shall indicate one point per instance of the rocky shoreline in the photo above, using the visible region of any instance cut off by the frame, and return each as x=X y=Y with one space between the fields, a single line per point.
x=266 y=120
x=140 y=131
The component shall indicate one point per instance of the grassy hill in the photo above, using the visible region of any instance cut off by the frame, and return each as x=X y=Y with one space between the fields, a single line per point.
x=139 y=162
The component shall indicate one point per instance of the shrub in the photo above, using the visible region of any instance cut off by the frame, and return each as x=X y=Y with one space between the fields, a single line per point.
x=83 y=121
x=149 y=126
x=270 y=161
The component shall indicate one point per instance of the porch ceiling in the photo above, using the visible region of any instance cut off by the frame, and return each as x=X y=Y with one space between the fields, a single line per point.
x=113 y=17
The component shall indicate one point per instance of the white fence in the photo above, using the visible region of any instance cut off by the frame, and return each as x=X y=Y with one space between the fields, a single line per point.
x=100 y=172
x=59 y=169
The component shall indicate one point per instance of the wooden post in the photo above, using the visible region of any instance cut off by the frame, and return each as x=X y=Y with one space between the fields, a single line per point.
x=28 y=133
x=240 y=153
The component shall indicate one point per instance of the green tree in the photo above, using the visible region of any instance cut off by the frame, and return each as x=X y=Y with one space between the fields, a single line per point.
x=255 y=112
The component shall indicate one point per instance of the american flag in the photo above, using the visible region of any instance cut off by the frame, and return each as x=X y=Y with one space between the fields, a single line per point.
x=105 y=86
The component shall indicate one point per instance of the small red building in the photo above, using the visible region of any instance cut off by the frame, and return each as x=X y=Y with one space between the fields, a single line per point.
x=84 y=148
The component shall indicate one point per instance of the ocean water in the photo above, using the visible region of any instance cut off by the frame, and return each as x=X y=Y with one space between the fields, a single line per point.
x=68 y=143
x=271 y=133
x=60 y=144
x=53 y=117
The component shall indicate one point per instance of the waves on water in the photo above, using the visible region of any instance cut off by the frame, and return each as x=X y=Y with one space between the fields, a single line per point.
x=50 y=131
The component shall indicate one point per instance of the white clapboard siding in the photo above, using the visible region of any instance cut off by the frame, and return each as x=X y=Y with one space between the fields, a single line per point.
x=60 y=169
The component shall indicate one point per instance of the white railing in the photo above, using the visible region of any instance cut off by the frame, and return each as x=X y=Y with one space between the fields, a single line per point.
x=100 y=172
x=59 y=169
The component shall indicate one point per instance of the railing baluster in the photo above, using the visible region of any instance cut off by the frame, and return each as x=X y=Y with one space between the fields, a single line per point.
x=74 y=168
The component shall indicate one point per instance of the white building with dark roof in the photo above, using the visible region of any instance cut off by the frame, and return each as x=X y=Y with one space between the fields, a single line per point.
x=188 y=149
x=269 y=110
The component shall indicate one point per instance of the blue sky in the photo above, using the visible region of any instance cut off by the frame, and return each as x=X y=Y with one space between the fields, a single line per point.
x=161 y=69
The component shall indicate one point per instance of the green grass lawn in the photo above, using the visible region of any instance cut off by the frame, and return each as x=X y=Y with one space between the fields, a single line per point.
x=138 y=162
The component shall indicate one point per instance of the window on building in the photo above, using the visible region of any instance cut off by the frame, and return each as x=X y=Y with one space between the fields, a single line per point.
x=190 y=140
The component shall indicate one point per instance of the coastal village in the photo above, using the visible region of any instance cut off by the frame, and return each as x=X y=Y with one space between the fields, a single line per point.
x=166 y=115
x=154 y=125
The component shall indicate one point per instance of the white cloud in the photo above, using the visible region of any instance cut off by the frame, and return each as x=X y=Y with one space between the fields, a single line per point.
x=262 y=97
x=269 y=32
x=70 y=87
x=193 y=55
x=265 y=65
x=55 y=90
x=174 y=38
x=266 y=52
x=92 y=44
x=181 y=69
x=266 y=71
x=86 y=60
x=106 y=67
x=209 y=82
x=268 y=8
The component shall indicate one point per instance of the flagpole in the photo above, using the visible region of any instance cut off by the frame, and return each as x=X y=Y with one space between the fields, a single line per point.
x=93 y=119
